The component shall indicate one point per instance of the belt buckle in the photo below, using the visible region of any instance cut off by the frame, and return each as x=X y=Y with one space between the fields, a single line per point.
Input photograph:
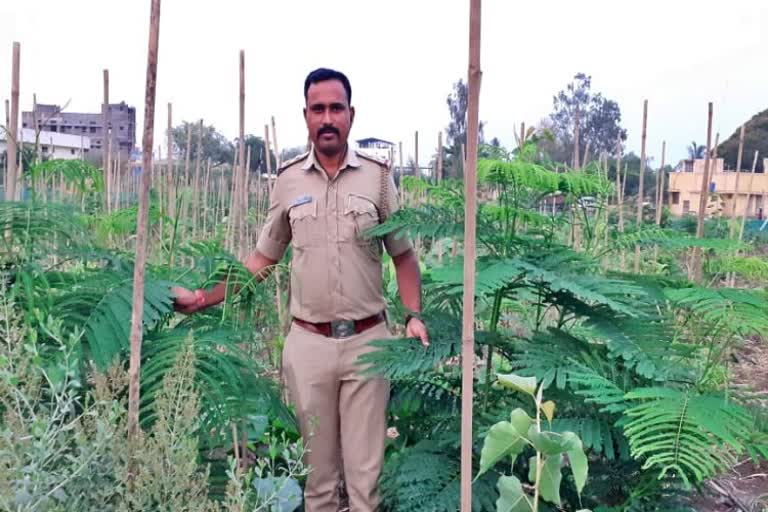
x=342 y=328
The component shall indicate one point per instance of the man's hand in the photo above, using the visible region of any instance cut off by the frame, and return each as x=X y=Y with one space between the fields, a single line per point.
x=185 y=301
x=416 y=329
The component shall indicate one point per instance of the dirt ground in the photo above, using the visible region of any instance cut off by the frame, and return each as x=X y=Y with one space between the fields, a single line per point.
x=745 y=487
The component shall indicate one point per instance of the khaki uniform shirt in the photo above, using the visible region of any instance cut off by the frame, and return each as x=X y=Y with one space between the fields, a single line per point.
x=335 y=273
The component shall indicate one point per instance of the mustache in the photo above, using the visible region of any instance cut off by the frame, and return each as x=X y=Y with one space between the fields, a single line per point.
x=328 y=129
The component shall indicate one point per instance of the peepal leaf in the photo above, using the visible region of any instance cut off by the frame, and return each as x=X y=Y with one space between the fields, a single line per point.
x=512 y=381
x=512 y=498
x=506 y=438
x=551 y=477
x=578 y=460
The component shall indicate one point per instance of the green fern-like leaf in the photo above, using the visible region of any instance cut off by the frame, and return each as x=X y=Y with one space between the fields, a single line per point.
x=682 y=432
x=427 y=477
x=742 y=312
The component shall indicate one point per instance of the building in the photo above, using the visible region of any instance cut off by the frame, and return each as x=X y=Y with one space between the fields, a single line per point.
x=685 y=189
x=52 y=144
x=50 y=118
x=378 y=148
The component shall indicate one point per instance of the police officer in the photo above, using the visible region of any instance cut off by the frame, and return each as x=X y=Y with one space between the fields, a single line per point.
x=322 y=202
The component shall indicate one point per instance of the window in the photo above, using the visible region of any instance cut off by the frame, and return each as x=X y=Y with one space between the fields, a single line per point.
x=686 y=207
x=45 y=149
x=122 y=128
x=675 y=197
x=24 y=125
x=689 y=166
x=93 y=129
x=72 y=151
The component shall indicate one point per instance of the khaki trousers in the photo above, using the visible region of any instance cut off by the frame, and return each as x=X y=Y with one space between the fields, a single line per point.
x=342 y=416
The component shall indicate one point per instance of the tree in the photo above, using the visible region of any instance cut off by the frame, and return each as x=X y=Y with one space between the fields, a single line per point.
x=456 y=132
x=696 y=151
x=599 y=120
x=755 y=139
x=215 y=145
x=258 y=160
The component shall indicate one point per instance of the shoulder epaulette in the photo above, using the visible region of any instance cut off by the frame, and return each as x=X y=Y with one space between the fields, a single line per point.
x=381 y=161
x=292 y=161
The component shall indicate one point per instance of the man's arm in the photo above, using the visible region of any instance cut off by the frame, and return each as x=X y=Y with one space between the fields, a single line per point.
x=188 y=302
x=409 y=286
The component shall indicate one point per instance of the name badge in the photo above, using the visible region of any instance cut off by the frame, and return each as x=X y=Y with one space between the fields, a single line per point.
x=301 y=200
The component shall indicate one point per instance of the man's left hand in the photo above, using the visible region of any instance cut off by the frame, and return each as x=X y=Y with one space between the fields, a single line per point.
x=417 y=329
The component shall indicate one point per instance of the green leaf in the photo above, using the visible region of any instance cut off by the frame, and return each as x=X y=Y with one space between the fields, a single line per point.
x=512 y=498
x=550 y=443
x=578 y=460
x=506 y=438
x=512 y=381
x=551 y=477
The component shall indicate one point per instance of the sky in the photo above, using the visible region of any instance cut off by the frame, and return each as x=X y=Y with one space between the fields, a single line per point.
x=402 y=58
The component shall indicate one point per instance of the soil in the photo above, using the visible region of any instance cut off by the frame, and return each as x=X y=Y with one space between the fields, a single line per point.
x=745 y=487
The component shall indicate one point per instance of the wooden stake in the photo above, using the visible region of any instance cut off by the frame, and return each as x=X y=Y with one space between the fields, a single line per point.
x=267 y=147
x=241 y=248
x=470 y=221
x=696 y=270
x=640 y=191
x=660 y=184
x=141 y=226
x=619 y=198
x=576 y=137
x=104 y=140
x=196 y=179
x=749 y=196
x=402 y=189
x=416 y=154
x=12 y=133
x=738 y=175
x=439 y=180
x=278 y=157
x=170 y=178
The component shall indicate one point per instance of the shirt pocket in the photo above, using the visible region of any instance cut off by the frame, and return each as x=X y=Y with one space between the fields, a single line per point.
x=304 y=229
x=360 y=215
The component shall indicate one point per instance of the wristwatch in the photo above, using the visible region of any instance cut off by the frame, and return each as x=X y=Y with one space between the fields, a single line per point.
x=412 y=314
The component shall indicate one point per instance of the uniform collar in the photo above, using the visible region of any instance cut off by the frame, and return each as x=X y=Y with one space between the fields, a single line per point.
x=350 y=160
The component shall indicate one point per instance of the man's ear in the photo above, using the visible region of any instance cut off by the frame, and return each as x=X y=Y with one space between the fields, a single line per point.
x=351 y=115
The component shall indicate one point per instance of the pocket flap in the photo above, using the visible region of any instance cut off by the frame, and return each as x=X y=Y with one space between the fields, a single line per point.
x=360 y=205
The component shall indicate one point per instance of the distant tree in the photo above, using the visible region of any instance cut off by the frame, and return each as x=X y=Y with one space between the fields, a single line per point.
x=599 y=120
x=755 y=139
x=258 y=156
x=292 y=152
x=215 y=145
x=458 y=102
x=696 y=151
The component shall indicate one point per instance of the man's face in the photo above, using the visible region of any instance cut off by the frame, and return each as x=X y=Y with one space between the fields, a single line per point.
x=329 y=116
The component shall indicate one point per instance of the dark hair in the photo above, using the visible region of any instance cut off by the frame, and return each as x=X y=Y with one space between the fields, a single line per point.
x=323 y=74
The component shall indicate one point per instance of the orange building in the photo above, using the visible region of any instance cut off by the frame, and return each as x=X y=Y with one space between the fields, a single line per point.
x=685 y=189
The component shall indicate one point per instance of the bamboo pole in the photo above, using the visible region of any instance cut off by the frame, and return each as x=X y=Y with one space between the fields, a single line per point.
x=12 y=133
x=105 y=138
x=241 y=248
x=170 y=177
x=640 y=191
x=196 y=187
x=695 y=270
x=7 y=130
x=402 y=189
x=749 y=196
x=141 y=226
x=738 y=175
x=267 y=150
x=206 y=185
x=660 y=184
x=278 y=157
x=576 y=137
x=620 y=198
x=439 y=180
x=468 y=324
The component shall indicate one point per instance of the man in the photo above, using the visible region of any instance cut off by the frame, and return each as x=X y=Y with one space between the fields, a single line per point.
x=322 y=203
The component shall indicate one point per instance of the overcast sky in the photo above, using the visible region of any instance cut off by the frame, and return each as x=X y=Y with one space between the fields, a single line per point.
x=402 y=58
